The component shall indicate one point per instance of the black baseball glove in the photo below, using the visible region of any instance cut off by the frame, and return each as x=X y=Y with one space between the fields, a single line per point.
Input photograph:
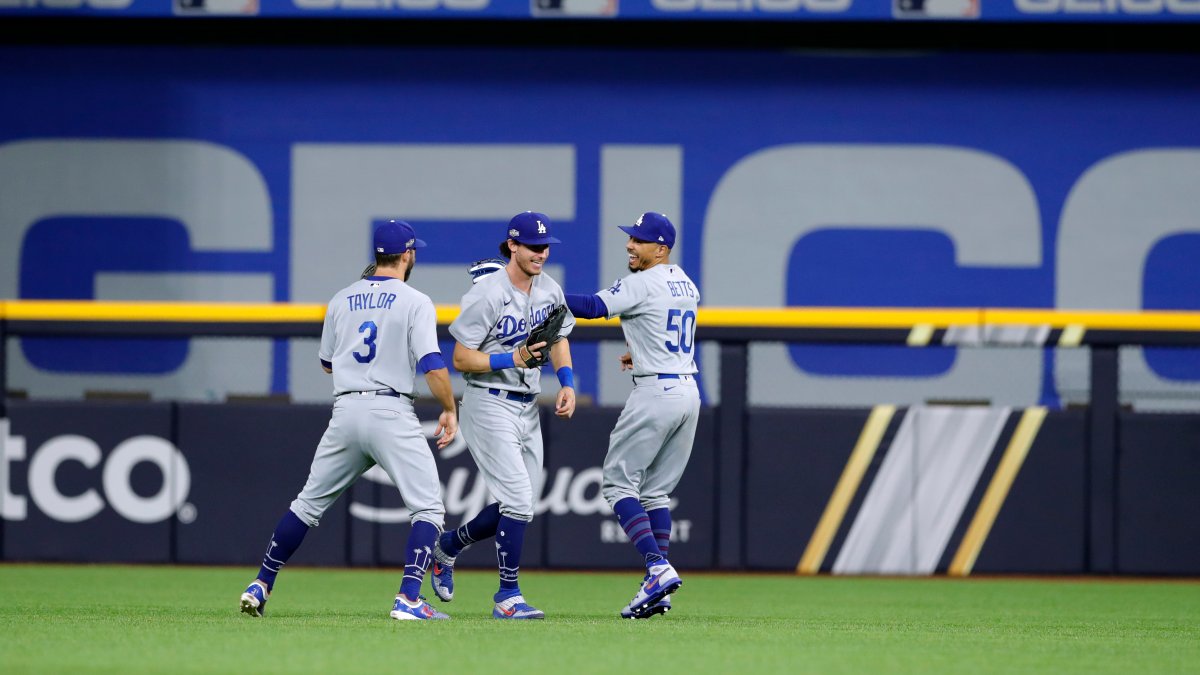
x=368 y=271
x=546 y=331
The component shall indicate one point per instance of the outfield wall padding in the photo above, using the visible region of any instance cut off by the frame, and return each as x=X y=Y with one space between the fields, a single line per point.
x=149 y=482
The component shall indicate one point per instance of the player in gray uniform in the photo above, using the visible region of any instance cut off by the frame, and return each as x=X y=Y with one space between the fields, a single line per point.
x=378 y=332
x=500 y=417
x=650 y=445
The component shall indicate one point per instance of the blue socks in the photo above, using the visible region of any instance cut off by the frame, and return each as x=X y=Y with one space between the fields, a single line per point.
x=481 y=527
x=510 y=539
x=284 y=541
x=636 y=523
x=660 y=524
x=420 y=552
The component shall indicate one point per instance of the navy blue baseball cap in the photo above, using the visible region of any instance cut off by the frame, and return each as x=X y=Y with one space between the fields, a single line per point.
x=396 y=236
x=653 y=227
x=531 y=228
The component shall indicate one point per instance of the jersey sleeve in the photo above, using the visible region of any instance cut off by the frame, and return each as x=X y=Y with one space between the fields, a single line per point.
x=328 y=335
x=624 y=296
x=423 y=330
x=568 y=325
x=474 y=320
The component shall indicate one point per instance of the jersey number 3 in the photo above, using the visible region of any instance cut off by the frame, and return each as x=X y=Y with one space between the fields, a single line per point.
x=372 y=332
x=681 y=326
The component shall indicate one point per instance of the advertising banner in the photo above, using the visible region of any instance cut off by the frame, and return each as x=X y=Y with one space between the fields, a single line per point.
x=888 y=490
x=902 y=491
x=102 y=482
x=758 y=10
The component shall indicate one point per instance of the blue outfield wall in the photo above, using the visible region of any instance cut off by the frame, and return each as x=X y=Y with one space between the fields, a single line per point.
x=206 y=483
x=914 y=179
x=844 y=179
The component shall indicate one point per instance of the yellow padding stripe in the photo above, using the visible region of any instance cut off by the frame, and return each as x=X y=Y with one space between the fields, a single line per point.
x=847 y=487
x=997 y=491
x=730 y=317
x=189 y=312
x=833 y=317
x=1096 y=320
x=204 y=312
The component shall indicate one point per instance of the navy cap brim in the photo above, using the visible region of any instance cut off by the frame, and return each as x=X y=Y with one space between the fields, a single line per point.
x=537 y=241
x=418 y=243
x=633 y=232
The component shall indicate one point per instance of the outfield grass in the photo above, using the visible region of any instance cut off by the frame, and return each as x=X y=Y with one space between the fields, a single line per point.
x=133 y=619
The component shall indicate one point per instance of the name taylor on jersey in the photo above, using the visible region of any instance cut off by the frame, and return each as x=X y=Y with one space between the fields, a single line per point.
x=381 y=300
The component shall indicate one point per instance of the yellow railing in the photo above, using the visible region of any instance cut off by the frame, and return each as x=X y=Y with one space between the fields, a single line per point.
x=726 y=317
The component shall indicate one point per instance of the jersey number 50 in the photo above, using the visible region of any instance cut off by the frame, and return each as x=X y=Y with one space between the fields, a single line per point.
x=681 y=326
x=372 y=332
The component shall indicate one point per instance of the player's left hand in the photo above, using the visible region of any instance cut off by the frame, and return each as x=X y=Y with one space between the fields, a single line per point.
x=626 y=361
x=447 y=427
x=564 y=405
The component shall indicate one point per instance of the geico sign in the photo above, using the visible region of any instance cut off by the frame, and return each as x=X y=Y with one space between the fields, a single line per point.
x=118 y=493
x=1115 y=215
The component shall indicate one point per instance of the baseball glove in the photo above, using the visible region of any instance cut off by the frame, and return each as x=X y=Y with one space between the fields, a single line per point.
x=546 y=331
x=481 y=268
x=368 y=271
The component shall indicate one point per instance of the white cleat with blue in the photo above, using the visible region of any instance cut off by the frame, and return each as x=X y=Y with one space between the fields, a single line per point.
x=661 y=581
x=515 y=607
x=254 y=600
x=661 y=607
x=441 y=573
x=408 y=610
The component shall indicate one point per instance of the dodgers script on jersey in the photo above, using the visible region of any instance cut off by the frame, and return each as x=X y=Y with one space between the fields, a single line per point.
x=369 y=308
x=496 y=317
x=657 y=308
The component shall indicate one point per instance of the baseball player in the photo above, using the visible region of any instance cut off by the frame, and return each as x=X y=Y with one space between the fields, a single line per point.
x=649 y=447
x=500 y=417
x=378 y=332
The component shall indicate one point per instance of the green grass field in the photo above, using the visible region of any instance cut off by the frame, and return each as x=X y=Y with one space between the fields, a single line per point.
x=157 y=619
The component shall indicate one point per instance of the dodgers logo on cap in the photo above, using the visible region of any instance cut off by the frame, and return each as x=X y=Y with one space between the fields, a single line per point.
x=396 y=236
x=531 y=228
x=653 y=227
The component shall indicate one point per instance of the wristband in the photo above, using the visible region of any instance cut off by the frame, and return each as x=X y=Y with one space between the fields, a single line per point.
x=501 y=361
x=566 y=377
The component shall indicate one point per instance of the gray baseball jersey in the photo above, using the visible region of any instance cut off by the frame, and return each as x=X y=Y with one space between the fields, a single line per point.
x=499 y=418
x=650 y=445
x=359 y=316
x=658 y=317
x=375 y=332
x=495 y=317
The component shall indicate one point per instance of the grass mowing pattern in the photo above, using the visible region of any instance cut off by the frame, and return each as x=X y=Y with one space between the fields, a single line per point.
x=157 y=619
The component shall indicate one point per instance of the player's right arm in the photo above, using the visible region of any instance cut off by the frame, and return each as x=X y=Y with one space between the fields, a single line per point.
x=439 y=385
x=423 y=342
x=586 y=306
x=472 y=326
x=468 y=360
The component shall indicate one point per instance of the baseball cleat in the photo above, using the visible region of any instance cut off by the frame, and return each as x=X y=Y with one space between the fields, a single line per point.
x=516 y=608
x=661 y=581
x=661 y=607
x=254 y=600
x=441 y=573
x=419 y=610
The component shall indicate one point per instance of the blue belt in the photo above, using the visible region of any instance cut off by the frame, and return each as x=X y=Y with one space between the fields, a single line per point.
x=662 y=376
x=378 y=392
x=512 y=395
